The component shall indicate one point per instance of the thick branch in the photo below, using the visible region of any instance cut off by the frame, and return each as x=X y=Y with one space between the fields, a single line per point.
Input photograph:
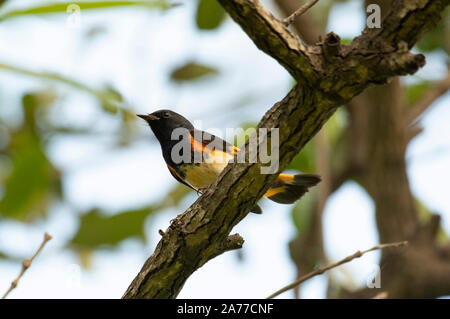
x=199 y=234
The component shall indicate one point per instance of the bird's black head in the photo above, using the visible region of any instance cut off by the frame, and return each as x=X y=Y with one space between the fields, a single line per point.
x=163 y=122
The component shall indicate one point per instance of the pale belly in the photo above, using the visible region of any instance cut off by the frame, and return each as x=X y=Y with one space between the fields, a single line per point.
x=203 y=174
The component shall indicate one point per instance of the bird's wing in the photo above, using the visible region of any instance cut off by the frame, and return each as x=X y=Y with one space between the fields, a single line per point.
x=206 y=138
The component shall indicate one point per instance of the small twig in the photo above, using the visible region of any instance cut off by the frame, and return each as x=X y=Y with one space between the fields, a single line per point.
x=321 y=270
x=288 y=21
x=26 y=264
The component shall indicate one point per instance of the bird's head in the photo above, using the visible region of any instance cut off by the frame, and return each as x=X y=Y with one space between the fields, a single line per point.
x=163 y=122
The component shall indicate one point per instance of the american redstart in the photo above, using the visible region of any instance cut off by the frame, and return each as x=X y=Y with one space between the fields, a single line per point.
x=194 y=163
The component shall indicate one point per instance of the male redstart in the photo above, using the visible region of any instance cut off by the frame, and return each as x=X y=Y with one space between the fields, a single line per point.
x=174 y=133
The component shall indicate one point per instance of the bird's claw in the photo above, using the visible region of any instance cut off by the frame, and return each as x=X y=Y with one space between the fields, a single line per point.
x=201 y=190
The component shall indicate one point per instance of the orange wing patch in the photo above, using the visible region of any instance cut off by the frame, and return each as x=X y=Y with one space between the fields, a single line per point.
x=234 y=150
x=274 y=191
x=285 y=178
x=196 y=145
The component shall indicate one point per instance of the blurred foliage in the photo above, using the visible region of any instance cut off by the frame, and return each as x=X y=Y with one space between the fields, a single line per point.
x=101 y=229
x=29 y=182
x=33 y=183
x=335 y=134
x=192 y=71
x=302 y=213
x=210 y=15
x=65 y=7
x=416 y=91
x=304 y=161
x=98 y=229
x=109 y=98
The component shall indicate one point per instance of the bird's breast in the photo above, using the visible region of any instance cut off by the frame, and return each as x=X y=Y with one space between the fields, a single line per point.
x=204 y=173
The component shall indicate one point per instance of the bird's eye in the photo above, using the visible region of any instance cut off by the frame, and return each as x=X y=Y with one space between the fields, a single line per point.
x=166 y=115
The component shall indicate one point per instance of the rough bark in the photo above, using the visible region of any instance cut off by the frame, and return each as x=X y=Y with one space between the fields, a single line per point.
x=328 y=75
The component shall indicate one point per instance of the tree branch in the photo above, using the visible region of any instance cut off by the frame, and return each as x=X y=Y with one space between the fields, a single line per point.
x=199 y=234
x=288 y=21
x=321 y=270
x=26 y=264
x=274 y=38
x=304 y=25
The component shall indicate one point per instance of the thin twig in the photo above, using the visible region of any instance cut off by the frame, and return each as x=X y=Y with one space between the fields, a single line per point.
x=26 y=264
x=321 y=270
x=288 y=21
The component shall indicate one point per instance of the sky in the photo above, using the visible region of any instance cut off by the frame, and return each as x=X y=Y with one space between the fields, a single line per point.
x=135 y=53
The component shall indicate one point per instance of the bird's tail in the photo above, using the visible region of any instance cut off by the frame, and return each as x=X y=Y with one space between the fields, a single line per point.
x=289 y=188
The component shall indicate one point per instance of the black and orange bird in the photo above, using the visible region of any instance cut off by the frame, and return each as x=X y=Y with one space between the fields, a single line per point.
x=198 y=175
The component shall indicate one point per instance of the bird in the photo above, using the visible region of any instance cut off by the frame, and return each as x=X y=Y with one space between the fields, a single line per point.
x=172 y=129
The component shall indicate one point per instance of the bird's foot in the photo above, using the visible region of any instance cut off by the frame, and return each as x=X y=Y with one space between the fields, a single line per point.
x=201 y=190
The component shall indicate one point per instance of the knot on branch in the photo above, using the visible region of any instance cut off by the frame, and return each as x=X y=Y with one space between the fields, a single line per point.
x=233 y=242
x=331 y=45
x=402 y=61
x=332 y=39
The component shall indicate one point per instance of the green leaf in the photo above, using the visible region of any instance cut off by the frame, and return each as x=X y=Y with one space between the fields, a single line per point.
x=64 y=7
x=33 y=183
x=210 y=15
x=192 y=71
x=98 y=229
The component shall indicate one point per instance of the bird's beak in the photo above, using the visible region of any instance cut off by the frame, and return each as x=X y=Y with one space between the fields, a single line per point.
x=148 y=117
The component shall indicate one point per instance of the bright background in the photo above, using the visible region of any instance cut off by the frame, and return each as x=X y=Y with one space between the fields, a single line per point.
x=135 y=51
